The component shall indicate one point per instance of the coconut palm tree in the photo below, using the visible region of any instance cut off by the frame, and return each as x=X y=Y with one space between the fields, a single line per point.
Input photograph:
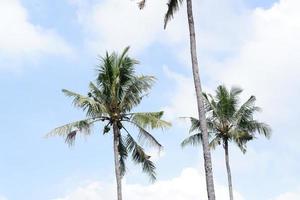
x=228 y=122
x=110 y=100
x=173 y=6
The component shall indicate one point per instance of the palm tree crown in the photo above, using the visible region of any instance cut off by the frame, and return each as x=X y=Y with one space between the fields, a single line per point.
x=227 y=121
x=111 y=98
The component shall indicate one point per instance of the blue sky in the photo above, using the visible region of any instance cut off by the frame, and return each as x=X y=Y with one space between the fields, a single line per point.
x=49 y=45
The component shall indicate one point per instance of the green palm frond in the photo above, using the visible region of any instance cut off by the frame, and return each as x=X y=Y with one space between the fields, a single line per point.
x=147 y=138
x=134 y=90
x=140 y=157
x=123 y=155
x=246 y=111
x=69 y=131
x=115 y=73
x=241 y=138
x=226 y=102
x=211 y=105
x=97 y=95
x=195 y=124
x=150 y=120
x=193 y=140
x=92 y=107
x=106 y=75
x=260 y=127
x=216 y=141
x=173 y=6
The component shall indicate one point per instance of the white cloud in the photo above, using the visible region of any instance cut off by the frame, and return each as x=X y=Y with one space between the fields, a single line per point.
x=20 y=38
x=114 y=24
x=183 y=101
x=2 y=198
x=289 y=196
x=268 y=63
x=190 y=185
x=268 y=66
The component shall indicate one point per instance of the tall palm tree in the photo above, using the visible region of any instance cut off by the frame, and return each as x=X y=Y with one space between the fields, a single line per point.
x=228 y=122
x=110 y=100
x=173 y=6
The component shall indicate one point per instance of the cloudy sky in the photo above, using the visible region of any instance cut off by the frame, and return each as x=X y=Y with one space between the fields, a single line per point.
x=49 y=45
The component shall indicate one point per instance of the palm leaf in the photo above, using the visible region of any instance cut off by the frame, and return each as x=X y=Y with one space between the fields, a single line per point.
x=145 y=137
x=70 y=130
x=140 y=157
x=134 y=91
x=150 y=120
x=215 y=142
x=123 y=155
x=261 y=128
x=93 y=108
x=97 y=95
x=241 y=138
x=142 y=4
x=193 y=140
x=246 y=110
x=173 y=6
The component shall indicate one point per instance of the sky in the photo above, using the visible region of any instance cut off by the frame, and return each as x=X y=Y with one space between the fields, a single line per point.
x=46 y=46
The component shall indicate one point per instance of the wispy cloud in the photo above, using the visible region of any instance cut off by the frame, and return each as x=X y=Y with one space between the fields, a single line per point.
x=20 y=39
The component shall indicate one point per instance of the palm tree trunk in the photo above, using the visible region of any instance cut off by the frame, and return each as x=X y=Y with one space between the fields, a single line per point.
x=228 y=170
x=201 y=111
x=117 y=160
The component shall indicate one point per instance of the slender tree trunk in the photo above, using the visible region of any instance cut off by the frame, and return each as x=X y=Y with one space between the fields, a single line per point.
x=117 y=160
x=200 y=104
x=228 y=170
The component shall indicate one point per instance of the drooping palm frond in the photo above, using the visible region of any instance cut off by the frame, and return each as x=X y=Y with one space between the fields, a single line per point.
x=150 y=120
x=142 y=4
x=93 y=108
x=241 y=138
x=140 y=157
x=260 y=127
x=69 y=131
x=195 y=125
x=193 y=140
x=215 y=142
x=123 y=155
x=147 y=138
x=173 y=6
